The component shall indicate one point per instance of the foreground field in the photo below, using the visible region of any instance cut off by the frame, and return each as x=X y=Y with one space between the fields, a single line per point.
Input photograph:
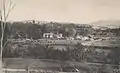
x=21 y=64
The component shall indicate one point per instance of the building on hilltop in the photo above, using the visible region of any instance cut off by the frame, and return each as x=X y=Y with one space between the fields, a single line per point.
x=48 y=35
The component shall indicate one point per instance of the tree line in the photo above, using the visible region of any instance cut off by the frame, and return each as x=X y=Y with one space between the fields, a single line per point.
x=34 y=30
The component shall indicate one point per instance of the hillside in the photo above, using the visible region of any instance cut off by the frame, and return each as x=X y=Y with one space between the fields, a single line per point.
x=106 y=23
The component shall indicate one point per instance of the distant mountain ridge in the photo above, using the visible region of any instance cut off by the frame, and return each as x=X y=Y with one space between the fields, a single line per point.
x=106 y=23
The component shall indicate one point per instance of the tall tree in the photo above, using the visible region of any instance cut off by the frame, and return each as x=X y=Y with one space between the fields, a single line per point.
x=4 y=13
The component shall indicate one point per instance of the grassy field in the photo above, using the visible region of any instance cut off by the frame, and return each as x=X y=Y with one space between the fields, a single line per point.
x=98 y=42
x=21 y=63
x=109 y=43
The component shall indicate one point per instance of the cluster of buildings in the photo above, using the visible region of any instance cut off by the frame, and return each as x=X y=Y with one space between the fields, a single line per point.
x=60 y=36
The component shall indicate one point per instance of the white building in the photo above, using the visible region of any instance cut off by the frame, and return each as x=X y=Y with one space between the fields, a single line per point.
x=85 y=38
x=70 y=38
x=48 y=35
x=59 y=35
x=78 y=37
x=52 y=35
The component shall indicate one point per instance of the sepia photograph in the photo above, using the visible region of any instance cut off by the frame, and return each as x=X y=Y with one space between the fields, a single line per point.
x=59 y=36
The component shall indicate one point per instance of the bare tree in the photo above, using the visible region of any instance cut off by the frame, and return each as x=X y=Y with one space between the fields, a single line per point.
x=4 y=13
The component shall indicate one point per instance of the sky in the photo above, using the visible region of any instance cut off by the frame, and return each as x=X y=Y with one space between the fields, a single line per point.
x=78 y=11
